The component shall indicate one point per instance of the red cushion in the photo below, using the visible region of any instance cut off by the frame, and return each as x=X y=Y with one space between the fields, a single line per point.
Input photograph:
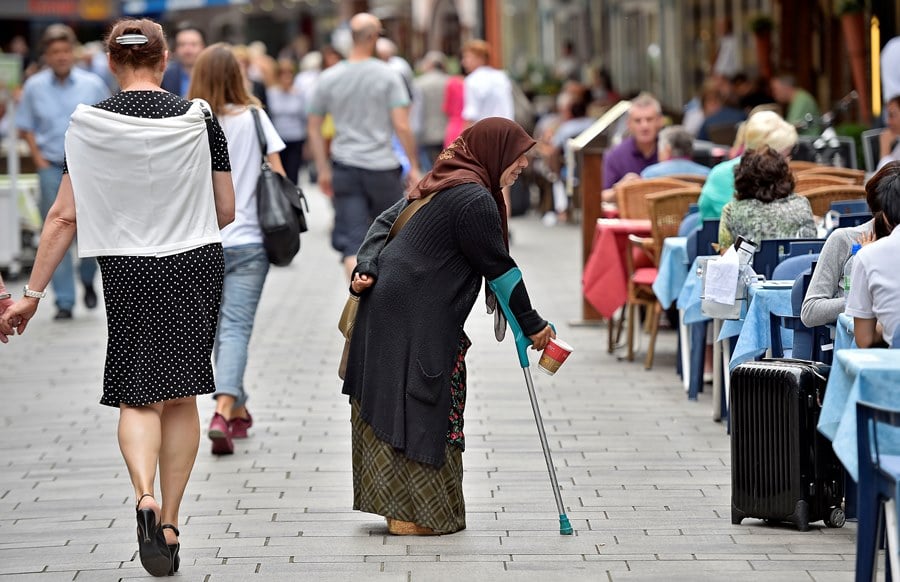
x=645 y=276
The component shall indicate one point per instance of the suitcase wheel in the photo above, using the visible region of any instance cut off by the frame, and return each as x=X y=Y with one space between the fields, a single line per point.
x=836 y=518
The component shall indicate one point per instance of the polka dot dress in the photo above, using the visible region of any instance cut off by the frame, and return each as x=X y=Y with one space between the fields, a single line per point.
x=162 y=311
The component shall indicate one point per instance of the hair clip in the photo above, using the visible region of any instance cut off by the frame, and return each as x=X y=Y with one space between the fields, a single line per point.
x=129 y=39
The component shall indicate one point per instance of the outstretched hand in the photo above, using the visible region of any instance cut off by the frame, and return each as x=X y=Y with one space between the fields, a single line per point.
x=540 y=339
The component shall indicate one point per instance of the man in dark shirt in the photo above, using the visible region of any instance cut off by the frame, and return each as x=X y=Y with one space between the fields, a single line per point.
x=189 y=43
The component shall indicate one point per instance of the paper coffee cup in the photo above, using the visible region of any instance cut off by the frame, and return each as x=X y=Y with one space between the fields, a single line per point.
x=553 y=356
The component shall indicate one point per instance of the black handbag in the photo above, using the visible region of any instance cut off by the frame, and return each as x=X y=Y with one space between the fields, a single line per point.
x=280 y=205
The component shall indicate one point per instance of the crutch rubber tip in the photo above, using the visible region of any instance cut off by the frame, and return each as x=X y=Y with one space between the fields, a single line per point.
x=565 y=528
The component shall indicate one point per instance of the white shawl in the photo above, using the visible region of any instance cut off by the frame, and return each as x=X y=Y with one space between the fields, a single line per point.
x=142 y=186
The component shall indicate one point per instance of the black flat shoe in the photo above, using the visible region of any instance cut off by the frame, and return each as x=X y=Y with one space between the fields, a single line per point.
x=173 y=548
x=155 y=556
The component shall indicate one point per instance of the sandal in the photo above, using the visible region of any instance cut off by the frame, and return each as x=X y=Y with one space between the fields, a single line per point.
x=154 y=559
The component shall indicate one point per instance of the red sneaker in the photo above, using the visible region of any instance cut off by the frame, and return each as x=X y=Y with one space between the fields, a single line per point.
x=220 y=435
x=239 y=426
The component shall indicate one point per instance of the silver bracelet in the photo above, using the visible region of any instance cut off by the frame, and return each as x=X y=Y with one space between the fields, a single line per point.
x=34 y=294
x=5 y=296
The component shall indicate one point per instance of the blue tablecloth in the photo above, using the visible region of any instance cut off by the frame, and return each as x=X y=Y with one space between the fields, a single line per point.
x=843 y=333
x=860 y=375
x=689 y=297
x=754 y=330
x=673 y=270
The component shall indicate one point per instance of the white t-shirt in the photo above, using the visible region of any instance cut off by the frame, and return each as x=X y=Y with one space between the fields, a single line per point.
x=487 y=93
x=246 y=163
x=875 y=284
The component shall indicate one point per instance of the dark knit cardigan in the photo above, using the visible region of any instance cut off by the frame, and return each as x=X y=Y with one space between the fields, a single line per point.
x=409 y=322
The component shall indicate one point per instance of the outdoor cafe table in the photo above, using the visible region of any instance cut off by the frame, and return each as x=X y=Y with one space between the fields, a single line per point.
x=604 y=283
x=673 y=271
x=871 y=375
x=754 y=330
x=843 y=333
x=688 y=304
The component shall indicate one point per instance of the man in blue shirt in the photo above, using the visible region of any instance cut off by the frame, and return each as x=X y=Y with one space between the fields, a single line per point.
x=48 y=100
x=676 y=146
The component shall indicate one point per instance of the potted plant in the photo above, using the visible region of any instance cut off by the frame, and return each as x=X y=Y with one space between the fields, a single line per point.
x=853 y=28
x=761 y=25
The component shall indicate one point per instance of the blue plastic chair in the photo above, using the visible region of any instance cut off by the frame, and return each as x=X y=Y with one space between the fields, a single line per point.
x=801 y=248
x=854 y=219
x=879 y=481
x=773 y=251
x=850 y=206
x=700 y=240
x=792 y=267
x=689 y=223
x=810 y=343
x=700 y=244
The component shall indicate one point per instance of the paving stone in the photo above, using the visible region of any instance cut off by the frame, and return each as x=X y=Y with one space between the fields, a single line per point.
x=644 y=473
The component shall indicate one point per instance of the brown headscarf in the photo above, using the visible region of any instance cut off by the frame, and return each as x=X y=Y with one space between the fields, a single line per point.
x=480 y=156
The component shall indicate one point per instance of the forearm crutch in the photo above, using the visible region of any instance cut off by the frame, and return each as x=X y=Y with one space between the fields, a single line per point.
x=502 y=287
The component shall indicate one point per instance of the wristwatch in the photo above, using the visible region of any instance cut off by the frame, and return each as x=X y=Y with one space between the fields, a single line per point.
x=35 y=294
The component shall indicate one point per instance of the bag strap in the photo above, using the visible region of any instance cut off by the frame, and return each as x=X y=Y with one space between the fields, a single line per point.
x=407 y=213
x=260 y=134
x=204 y=107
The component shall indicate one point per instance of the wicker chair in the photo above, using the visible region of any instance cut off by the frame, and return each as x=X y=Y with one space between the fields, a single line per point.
x=805 y=181
x=690 y=178
x=667 y=209
x=631 y=197
x=798 y=166
x=857 y=176
x=820 y=199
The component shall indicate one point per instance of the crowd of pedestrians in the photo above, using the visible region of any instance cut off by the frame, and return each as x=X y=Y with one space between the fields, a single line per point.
x=159 y=182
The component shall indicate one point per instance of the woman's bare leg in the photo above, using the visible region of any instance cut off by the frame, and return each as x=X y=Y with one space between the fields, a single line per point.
x=139 y=440
x=180 y=441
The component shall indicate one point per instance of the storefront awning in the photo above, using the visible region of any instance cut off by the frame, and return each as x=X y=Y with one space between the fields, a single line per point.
x=137 y=7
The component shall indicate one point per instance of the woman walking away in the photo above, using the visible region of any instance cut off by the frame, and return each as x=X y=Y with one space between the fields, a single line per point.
x=288 y=108
x=407 y=380
x=217 y=78
x=149 y=176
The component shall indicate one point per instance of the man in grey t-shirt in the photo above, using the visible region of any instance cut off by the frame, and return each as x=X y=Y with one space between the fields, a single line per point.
x=368 y=102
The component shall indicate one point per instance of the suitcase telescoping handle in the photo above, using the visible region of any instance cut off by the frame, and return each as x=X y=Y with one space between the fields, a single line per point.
x=503 y=287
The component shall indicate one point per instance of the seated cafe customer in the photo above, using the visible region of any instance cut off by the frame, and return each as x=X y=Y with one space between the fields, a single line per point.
x=764 y=128
x=675 y=148
x=627 y=160
x=874 y=301
x=765 y=205
x=826 y=297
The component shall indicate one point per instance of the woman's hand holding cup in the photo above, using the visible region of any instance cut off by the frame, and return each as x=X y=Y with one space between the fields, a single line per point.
x=540 y=339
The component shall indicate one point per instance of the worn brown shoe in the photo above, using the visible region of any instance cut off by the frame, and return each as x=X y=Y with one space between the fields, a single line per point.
x=408 y=528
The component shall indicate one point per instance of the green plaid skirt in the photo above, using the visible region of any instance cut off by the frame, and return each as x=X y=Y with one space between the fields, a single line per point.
x=386 y=483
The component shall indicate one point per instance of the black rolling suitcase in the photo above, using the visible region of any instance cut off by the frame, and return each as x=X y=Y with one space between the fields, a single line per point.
x=782 y=469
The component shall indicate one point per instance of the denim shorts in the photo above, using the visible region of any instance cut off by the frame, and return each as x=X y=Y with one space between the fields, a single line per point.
x=359 y=197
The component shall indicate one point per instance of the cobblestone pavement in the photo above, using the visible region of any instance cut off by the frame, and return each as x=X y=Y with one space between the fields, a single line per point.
x=644 y=473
